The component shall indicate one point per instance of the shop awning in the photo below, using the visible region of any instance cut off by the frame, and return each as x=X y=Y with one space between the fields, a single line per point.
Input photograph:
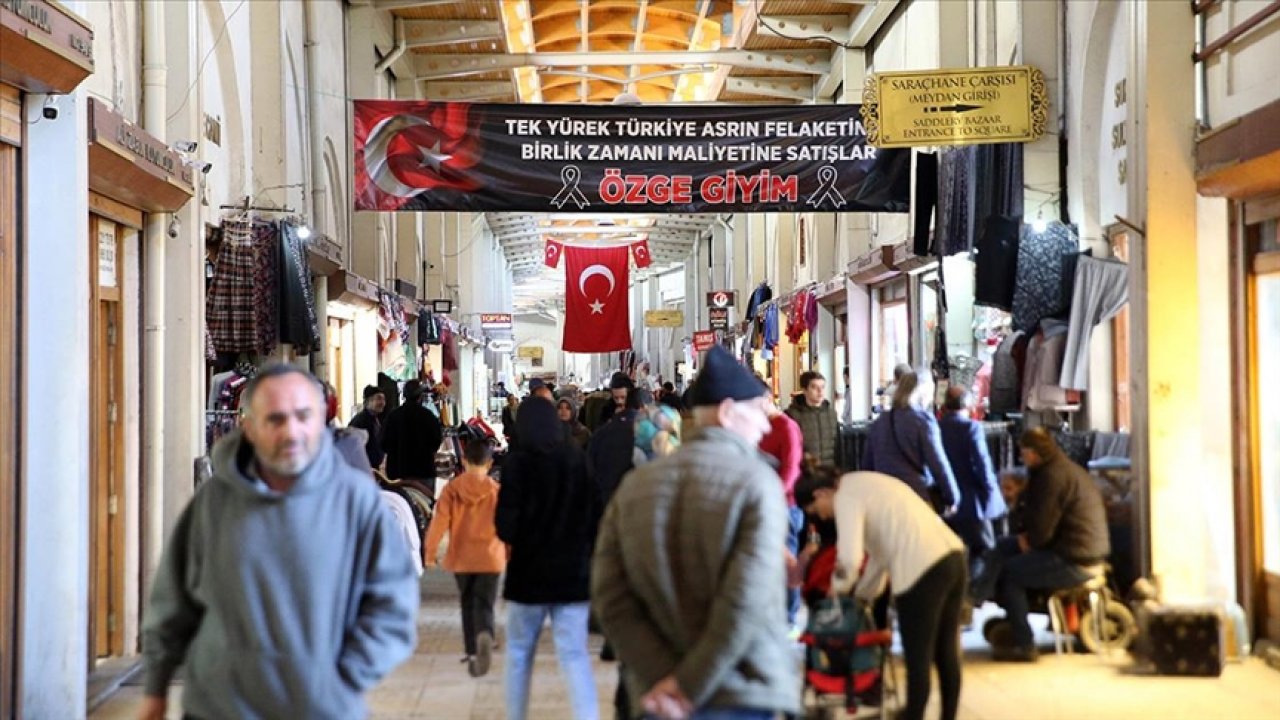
x=1241 y=159
x=885 y=263
x=351 y=288
x=129 y=164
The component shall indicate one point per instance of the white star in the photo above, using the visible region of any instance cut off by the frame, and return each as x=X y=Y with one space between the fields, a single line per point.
x=597 y=308
x=432 y=156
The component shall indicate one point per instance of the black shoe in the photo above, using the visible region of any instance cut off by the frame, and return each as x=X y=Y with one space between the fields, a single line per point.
x=607 y=654
x=479 y=665
x=1015 y=653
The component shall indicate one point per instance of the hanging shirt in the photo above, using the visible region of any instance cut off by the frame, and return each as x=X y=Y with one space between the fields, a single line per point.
x=1038 y=291
x=1102 y=289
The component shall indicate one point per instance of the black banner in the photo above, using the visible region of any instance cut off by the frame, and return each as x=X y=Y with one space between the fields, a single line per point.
x=415 y=156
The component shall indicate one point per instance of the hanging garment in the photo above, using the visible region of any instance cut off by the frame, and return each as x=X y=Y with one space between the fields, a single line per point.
x=810 y=310
x=1040 y=389
x=761 y=295
x=1006 y=387
x=926 y=202
x=770 y=332
x=1101 y=290
x=428 y=328
x=266 y=241
x=298 y=324
x=1068 y=289
x=1039 y=285
x=954 y=230
x=240 y=309
x=998 y=188
x=996 y=264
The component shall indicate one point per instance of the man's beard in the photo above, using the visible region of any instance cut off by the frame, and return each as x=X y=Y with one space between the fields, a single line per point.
x=289 y=467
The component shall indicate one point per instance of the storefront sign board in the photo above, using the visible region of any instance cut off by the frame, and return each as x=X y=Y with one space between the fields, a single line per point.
x=415 y=156
x=46 y=48
x=530 y=352
x=664 y=318
x=722 y=298
x=719 y=318
x=969 y=106
x=496 y=321
x=129 y=164
x=703 y=340
x=500 y=345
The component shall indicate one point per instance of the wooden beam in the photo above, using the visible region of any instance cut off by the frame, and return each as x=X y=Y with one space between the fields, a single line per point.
x=805 y=27
x=815 y=61
x=460 y=91
x=793 y=88
x=637 y=45
x=432 y=33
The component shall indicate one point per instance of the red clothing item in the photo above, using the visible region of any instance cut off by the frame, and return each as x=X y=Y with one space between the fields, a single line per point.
x=785 y=443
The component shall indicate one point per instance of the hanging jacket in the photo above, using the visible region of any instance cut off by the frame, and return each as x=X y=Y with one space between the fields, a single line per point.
x=819 y=426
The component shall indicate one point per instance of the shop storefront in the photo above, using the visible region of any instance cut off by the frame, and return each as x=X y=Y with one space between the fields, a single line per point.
x=131 y=174
x=46 y=49
x=352 y=350
x=1242 y=163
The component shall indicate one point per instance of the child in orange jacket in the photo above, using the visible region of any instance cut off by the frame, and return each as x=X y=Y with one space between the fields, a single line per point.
x=475 y=555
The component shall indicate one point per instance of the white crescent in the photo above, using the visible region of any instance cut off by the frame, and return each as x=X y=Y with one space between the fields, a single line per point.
x=375 y=154
x=596 y=270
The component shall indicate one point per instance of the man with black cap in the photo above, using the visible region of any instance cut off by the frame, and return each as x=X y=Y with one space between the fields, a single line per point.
x=369 y=419
x=411 y=436
x=619 y=385
x=684 y=550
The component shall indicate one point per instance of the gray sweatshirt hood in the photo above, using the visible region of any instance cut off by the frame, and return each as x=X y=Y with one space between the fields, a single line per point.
x=234 y=465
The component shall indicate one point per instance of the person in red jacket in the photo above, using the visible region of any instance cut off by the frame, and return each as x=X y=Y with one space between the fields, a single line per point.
x=785 y=444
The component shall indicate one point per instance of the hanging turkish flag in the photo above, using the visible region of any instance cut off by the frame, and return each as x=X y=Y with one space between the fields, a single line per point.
x=640 y=251
x=597 y=314
x=551 y=255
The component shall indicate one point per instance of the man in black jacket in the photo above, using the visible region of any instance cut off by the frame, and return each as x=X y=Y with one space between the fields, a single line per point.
x=411 y=436
x=370 y=420
x=1066 y=532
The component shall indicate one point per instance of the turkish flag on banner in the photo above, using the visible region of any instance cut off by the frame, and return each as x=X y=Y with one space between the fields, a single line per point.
x=405 y=150
x=640 y=251
x=552 y=253
x=597 y=314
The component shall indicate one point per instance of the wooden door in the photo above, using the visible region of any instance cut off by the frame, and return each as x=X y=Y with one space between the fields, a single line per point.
x=9 y=406
x=106 y=577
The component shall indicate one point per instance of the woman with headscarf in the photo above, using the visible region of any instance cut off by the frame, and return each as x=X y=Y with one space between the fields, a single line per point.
x=548 y=512
x=906 y=443
x=568 y=413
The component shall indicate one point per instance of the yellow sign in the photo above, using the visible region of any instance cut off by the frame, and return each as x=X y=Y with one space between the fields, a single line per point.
x=966 y=106
x=530 y=352
x=664 y=318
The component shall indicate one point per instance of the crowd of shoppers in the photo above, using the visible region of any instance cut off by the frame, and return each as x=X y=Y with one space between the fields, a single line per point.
x=607 y=505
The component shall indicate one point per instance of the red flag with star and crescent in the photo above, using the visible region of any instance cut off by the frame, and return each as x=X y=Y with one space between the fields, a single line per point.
x=640 y=251
x=404 y=152
x=597 y=315
x=551 y=254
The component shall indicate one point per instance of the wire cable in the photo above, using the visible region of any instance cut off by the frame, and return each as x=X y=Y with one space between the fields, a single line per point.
x=222 y=32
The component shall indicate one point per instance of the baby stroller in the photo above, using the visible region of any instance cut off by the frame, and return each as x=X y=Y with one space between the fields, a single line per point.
x=846 y=657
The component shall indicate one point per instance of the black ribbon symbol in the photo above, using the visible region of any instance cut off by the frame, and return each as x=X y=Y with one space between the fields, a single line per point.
x=570 y=175
x=827 y=188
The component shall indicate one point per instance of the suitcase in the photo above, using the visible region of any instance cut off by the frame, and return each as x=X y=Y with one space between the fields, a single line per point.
x=1186 y=641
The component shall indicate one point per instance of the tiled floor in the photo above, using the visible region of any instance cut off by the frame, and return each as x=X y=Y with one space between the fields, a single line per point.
x=433 y=684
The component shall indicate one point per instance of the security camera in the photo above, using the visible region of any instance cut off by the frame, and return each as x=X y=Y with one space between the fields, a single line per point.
x=204 y=167
x=174 y=226
x=185 y=146
x=50 y=112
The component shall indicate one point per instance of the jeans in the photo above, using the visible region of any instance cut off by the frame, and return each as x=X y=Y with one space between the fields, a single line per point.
x=794 y=538
x=1035 y=570
x=986 y=569
x=569 y=631
x=929 y=621
x=478 y=591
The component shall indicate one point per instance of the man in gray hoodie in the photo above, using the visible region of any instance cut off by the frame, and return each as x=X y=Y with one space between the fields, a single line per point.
x=284 y=588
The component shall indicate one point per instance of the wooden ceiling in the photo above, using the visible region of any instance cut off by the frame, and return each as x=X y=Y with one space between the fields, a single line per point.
x=661 y=51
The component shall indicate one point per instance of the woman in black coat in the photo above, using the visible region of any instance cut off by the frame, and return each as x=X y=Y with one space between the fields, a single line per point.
x=548 y=513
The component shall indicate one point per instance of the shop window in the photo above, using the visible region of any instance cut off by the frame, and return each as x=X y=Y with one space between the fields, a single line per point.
x=895 y=330
x=1120 y=344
